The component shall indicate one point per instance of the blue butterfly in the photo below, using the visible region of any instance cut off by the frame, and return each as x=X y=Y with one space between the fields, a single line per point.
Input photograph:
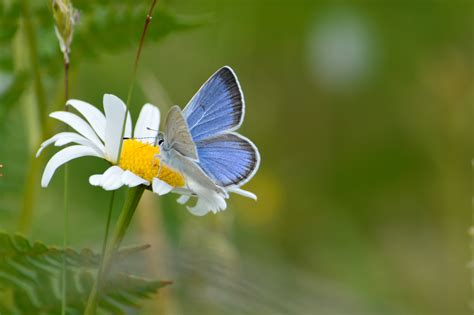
x=201 y=140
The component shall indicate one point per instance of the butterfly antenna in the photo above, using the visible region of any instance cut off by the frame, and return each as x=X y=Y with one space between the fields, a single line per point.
x=139 y=138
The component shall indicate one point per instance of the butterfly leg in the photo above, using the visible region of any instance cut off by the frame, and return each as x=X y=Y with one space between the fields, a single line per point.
x=159 y=169
x=160 y=163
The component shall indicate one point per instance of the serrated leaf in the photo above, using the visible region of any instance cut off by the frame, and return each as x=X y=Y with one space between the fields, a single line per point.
x=30 y=280
x=106 y=26
x=105 y=30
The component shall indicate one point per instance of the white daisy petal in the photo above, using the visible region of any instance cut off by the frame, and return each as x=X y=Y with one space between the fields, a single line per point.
x=183 y=199
x=208 y=201
x=48 y=142
x=128 y=126
x=242 y=192
x=201 y=208
x=63 y=138
x=132 y=180
x=219 y=203
x=64 y=156
x=115 y=112
x=78 y=124
x=148 y=123
x=183 y=191
x=161 y=187
x=94 y=180
x=77 y=138
x=112 y=178
x=94 y=116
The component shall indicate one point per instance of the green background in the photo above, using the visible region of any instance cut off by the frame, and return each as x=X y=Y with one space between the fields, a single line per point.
x=362 y=115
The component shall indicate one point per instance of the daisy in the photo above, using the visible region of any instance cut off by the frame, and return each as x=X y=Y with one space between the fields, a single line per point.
x=99 y=135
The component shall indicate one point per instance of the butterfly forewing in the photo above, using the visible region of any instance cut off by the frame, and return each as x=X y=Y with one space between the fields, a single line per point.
x=217 y=107
x=177 y=134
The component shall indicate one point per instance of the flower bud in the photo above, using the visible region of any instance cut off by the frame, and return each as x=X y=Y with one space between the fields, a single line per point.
x=65 y=17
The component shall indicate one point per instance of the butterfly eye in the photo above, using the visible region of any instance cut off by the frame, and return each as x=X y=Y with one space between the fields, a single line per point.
x=160 y=138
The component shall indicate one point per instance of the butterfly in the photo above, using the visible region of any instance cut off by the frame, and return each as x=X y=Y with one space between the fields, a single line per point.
x=201 y=140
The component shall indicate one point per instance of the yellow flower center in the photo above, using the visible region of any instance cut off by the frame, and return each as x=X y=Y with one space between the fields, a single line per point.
x=139 y=158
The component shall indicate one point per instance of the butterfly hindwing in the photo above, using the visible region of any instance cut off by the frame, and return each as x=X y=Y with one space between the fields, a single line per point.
x=177 y=133
x=229 y=159
x=217 y=107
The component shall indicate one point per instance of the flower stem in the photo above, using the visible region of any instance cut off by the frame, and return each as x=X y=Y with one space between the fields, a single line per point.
x=65 y=241
x=133 y=197
x=106 y=235
x=139 y=50
x=66 y=208
x=135 y=69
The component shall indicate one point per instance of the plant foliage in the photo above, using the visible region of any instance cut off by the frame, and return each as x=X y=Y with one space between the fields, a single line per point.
x=102 y=27
x=30 y=280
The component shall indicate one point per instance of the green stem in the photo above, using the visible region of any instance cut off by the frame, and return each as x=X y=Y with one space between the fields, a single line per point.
x=133 y=196
x=135 y=69
x=139 y=51
x=106 y=236
x=66 y=219
x=66 y=208
x=471 y=234
x=131 y=202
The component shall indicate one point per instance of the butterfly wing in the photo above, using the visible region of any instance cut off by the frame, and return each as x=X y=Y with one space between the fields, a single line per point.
x=195 y=176
x=217 y=107
x=229 y=159
x=177 y=134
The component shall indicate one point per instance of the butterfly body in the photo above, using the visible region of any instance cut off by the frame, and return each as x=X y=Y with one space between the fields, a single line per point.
x=192 y=172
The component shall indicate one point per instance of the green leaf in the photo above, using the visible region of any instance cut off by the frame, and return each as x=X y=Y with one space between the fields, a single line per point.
x=106 y=26
x=30 y=279
x=107 y=30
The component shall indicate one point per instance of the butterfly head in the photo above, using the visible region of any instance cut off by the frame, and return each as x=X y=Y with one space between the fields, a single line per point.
x=160 y=139
x=161 y=142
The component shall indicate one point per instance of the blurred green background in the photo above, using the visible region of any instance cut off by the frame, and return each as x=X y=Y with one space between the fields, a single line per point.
x=361 y=112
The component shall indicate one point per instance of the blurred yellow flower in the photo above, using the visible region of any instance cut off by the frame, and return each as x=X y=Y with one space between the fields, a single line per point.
x=270 y=190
